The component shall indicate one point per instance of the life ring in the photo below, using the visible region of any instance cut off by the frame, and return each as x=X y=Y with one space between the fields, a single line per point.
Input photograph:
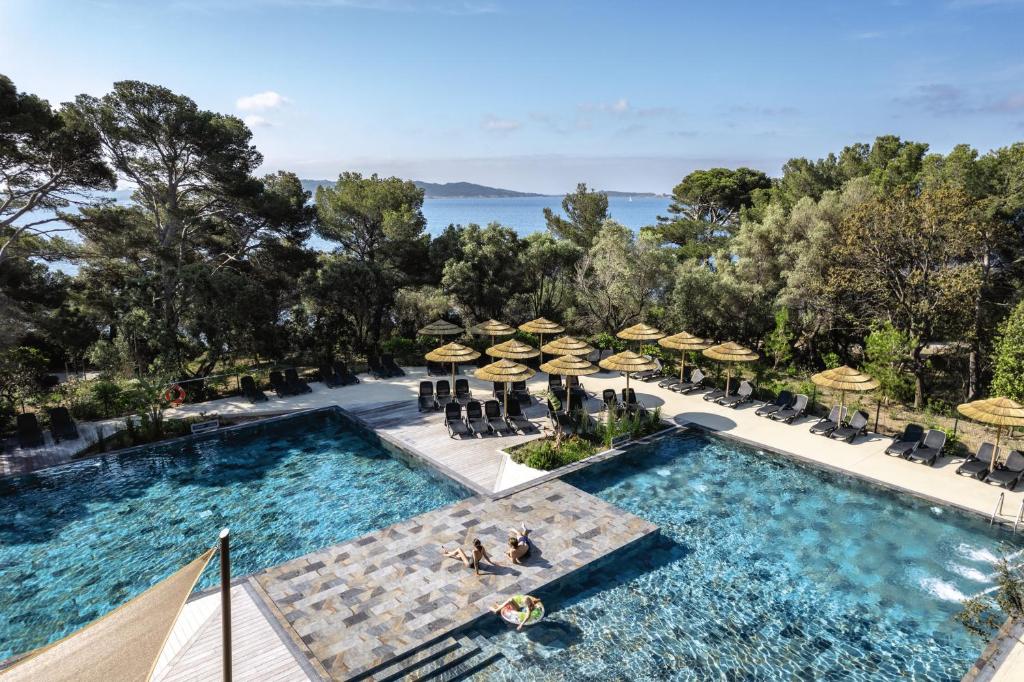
x=517 y=617
x=175 y=395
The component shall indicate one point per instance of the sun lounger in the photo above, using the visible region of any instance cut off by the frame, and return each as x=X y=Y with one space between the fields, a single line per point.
x=475 y=417
x=62 y=426
x=443 y=391
x=520 y=392
x=373 y=365
x=610 y=401
x=427 y=401
x=436 y=369
x=515 y=418
x=930 y=449
x=670 y=382
x=329 y=377
x=346 y=377
x=453 y=420
x=29 y=433
x=560 y=394
x=717 y=393
x=630 y=403
x=498 y=391
x=279 y=385
x=554 y=381
x=856 y=427
x=1009 y=474
x=911 y=437
x=392 y=368
x=295 y=384
x=789 y=414
x=783 y=400
x=560 y=421
x=743 y=395
x=978 y=465
x=492 y=415
x=650 y=374
x=250 y=390
x=833 y=421
x=462 y=392
x=696 y=382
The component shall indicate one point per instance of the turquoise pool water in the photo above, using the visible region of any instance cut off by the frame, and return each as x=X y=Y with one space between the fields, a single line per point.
x=765 y=570
x=80 y=539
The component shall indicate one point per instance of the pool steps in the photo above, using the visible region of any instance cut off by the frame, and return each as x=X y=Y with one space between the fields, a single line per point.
x=446 y=660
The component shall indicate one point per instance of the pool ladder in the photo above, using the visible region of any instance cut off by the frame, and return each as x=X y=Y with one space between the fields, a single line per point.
x=998 y=511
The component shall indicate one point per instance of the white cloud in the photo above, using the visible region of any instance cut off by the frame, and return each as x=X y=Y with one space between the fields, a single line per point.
x=255 y=121
x=493 y=124
x=261 y=101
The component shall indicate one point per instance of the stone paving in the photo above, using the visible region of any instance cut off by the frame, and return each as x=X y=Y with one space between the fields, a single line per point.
x=355 y=605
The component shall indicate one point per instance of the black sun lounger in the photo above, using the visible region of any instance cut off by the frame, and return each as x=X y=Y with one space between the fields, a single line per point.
x=295 y=384
x=250 y=391
x=475 y=417
x=492 y=415
x=62 y=426
x=858 y=424
x=281 y=388
x=436 y=369
x=648 y=375
x=444 y=391
x=696 y=382
x=670 y=382
x=833 y=421
x=1009 y=474
x=329 y=377
x=29 y=433
x=630 y=403
x=930 y=449
x=462 y=392
x=515 y=418
x=791 y=413
x=560 y=421
x=783 y=400
x=453 y=420
x=346 y=377
x=377 y=370
x=520 y=392
x=715 y=394
x=911 y=437
x=610 y=401
x=392 y=368
x=426 y=398
x=742 y=395
x=977 y=465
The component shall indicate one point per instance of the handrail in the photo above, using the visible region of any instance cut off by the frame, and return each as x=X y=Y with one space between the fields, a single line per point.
x=1020 y=516
x=998 y=510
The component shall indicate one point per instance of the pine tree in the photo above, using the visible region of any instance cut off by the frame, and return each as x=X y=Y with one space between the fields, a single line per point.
x=1008 y=359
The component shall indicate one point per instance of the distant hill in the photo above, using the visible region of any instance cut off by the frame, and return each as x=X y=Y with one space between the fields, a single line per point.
x=469 y=190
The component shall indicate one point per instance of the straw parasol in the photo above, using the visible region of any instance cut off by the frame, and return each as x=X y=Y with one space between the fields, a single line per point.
x=441 y=328
x=513 y=349
x=998 y=411
x=627 y=361
x=844 y=379
x=568 y=365
x=730 y=352
x=683 y=342
x=504 y=371
x=641 y=332
x=541 y=327
x=567 y=345
x=454 y=353
x=493 y=328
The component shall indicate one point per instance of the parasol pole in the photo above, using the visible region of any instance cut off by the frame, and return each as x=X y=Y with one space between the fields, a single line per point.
x=506 y=399
x=451 y=396
x=995 y=453
x=682 y=366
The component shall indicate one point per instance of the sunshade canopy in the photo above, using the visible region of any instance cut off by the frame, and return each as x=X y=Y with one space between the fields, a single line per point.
x=441 y=328
x=730 y=351
x=493 y=328
x=845 y=379
x=997 y=411
x=567 y=345
x=512 y=349
x=452 y=352
x=568 y=365
x=641 y=332
x=504 y=371
x=684 y=341
x=627 y=361
x=541 y=326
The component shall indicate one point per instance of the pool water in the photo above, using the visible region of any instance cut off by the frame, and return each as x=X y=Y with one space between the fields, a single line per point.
x=80 y=539
x=764 y=570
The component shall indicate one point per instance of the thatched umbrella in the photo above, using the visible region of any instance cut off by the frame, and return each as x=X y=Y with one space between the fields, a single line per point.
x=844 y=379
x=454 y=353
x=504 y=372
x=567 y=345
x=568 y=365
x=730 y=352
x=683 y=342
x=627 y=361
x=513 y=349
x=441 y=328
x=640 y=332
x=998 y=411
x=493 y=328
x=541 y=327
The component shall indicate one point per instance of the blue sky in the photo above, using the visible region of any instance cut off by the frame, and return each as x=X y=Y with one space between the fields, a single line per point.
x=540 y=95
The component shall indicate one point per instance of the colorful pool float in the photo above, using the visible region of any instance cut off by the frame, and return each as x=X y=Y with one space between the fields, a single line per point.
x=518 y=617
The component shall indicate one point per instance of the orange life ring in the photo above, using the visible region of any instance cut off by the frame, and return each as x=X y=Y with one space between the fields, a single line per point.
x=175 y=395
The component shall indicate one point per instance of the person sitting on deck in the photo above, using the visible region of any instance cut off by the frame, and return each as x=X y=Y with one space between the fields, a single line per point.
x=517 y=551
x=473 y=561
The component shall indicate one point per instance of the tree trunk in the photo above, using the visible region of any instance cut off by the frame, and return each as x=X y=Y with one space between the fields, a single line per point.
x=918 y=378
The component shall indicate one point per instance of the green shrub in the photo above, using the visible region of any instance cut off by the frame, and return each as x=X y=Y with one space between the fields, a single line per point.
x=545 y=455
x=405 y=350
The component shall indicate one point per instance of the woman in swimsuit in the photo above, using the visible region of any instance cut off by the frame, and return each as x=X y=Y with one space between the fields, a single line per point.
x=529 y=604
x=517 y=551
x=479 y=554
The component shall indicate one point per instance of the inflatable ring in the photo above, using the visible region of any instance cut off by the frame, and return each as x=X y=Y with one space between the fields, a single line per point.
x=175 y=395
x=517 y=617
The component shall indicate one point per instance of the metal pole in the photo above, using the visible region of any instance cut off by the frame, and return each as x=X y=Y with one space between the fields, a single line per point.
x=878 y=408
x=225 y=601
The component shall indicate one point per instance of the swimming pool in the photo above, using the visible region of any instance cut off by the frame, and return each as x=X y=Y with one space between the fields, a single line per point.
x=764 y=570
x=80 y=539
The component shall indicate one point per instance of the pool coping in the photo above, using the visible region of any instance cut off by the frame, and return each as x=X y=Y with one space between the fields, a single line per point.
x=995 y=652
